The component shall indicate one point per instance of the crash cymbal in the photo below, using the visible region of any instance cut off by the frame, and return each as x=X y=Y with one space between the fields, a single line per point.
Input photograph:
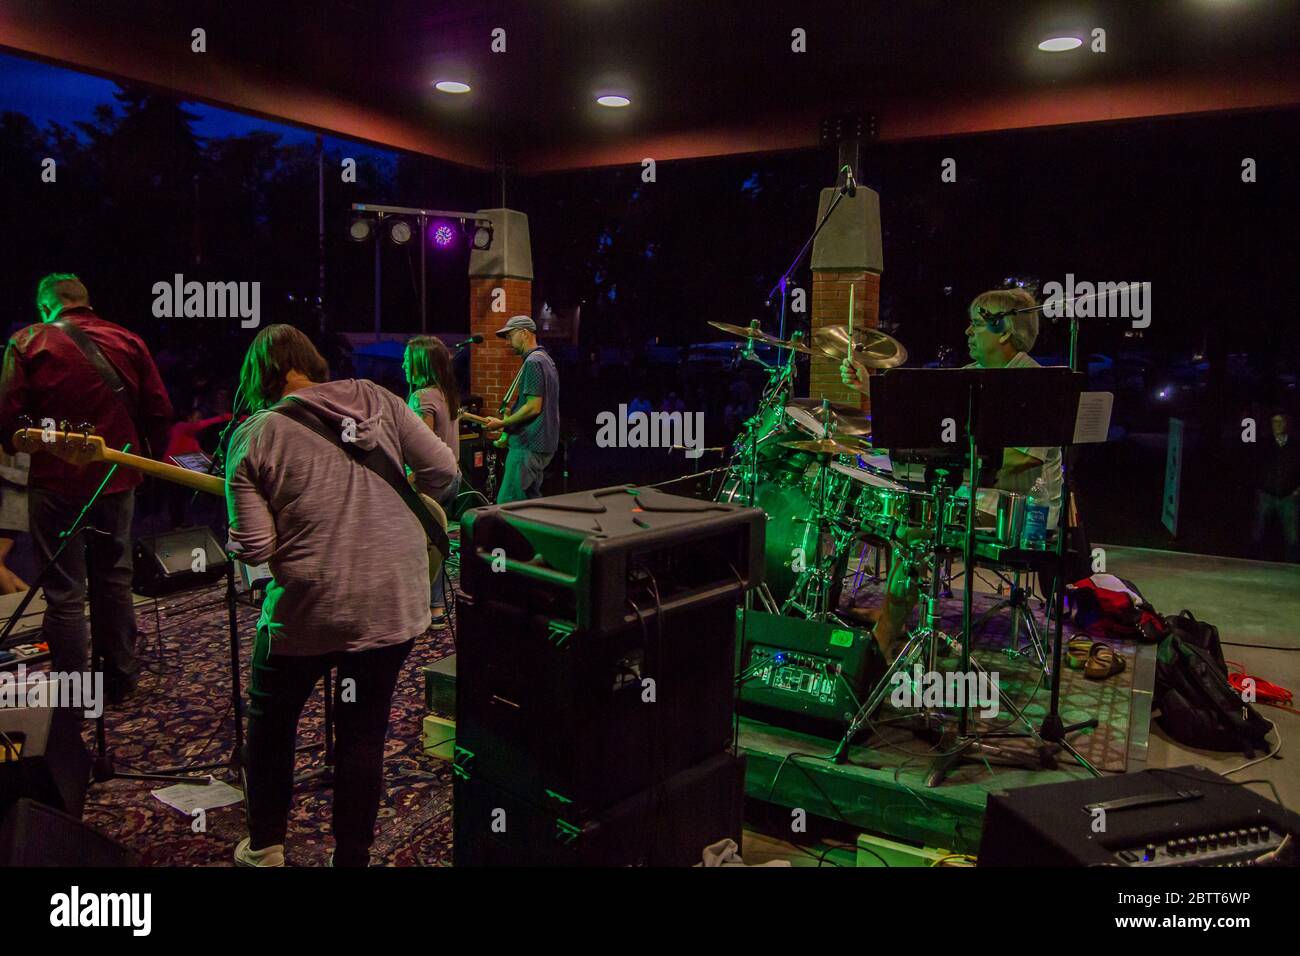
x=746 y=332
x=847 y=419
x=825 y=446
x=871 y=347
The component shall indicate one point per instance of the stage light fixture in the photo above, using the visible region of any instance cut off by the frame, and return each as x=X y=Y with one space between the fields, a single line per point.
x=483 y=237
x=1060 y=44
x=451 y=86
x=399 y=231
x=613 y=101
x=442 y=234
x=361 y=229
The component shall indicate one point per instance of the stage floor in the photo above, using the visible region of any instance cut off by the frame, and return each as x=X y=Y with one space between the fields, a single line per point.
x=883 y=791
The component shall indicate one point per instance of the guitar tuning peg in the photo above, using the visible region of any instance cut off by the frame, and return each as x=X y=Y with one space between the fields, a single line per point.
x=26 y=421
x=65 y=426
x=86 y=428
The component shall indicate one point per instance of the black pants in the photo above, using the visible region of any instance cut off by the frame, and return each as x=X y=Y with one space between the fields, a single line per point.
x=111 y=607
x=363 y=696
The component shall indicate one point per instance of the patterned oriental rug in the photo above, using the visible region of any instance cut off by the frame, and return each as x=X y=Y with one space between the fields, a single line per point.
x=181 y=714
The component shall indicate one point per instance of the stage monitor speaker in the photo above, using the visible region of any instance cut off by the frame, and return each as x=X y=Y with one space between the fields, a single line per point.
x=177 y=561
x=51 y=764
x=33 y=834
x=1181 y=816
x=803 y=674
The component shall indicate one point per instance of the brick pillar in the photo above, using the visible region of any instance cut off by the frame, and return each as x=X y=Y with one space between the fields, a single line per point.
x=505 y=267
x=492 y=365
x=830 y=306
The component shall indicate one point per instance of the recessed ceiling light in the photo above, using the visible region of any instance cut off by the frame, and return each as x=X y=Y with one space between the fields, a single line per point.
x=1060 y=44
x=613 y=101
x=451 y=86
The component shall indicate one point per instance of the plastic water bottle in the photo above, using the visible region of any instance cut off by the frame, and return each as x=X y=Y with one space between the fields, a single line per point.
x=1036 y=516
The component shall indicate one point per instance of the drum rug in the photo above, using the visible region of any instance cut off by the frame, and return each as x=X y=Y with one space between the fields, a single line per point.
x=1023 y=683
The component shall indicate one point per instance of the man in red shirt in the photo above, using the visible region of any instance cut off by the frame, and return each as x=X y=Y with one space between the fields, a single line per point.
x=46 y=375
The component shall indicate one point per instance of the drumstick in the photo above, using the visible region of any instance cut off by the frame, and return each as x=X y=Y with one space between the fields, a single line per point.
x=850 y=316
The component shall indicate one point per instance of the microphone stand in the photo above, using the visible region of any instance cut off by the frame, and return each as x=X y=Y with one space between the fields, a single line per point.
x=1053 y=729
x=782 y=284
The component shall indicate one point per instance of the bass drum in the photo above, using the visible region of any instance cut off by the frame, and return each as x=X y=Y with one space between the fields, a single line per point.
x=790 y=525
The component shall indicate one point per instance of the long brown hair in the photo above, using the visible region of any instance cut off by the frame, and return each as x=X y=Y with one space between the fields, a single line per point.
x=276 y=351
x=428 y=365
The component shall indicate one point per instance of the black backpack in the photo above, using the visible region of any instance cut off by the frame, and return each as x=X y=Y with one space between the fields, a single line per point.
x=1198 y=707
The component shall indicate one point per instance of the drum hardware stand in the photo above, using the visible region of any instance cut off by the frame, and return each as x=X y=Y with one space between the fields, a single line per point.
x=921 y=643
x=1017 y=600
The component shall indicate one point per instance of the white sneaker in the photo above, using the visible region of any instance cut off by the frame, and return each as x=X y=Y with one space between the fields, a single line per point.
x=267 y=856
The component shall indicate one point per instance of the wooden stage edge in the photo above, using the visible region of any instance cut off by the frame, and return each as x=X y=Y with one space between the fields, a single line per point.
x=882 y=790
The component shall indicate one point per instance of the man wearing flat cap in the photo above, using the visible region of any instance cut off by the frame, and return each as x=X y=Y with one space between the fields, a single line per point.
x=532 y=425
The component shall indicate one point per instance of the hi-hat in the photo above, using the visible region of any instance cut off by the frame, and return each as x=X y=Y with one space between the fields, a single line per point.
x=844 y=419
x=826 y=446
x=871 y=347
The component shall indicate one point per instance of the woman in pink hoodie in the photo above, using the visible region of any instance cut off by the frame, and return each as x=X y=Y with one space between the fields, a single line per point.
x=351 y=577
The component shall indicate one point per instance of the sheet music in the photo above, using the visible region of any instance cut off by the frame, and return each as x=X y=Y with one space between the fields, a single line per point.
x=1093 y=421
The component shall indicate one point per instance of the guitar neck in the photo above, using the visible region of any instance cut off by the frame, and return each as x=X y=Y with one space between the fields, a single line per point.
x=174 y=473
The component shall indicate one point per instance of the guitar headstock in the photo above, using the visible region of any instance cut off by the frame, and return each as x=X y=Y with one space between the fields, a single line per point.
x=78 y=447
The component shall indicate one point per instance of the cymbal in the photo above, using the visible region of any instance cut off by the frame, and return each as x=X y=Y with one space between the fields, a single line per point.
x=825 y=446
x=871 y=347
x=758 y=335
x=847 y=419
x=745 y=332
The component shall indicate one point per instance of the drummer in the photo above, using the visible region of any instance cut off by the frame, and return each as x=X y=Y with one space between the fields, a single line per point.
x=998 y=335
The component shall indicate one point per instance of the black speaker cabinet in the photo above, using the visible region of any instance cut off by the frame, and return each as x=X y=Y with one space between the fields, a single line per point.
x=51 y=765
x=668 y=825
x=33 y=834
x=177 y=561
x=575 y=721
x=594 y=557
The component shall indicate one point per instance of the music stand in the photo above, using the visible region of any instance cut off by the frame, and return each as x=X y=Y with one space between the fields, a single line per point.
x=990 y=409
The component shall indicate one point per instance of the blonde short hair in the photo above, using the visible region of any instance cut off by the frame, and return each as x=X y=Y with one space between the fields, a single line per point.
x=1023 y=326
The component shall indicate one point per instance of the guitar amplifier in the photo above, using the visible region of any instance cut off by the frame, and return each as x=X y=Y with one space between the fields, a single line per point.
x=177 y=561
x=803 y=674
x=1185 y=816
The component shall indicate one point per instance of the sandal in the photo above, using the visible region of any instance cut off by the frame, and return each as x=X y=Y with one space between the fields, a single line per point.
x=1103 y=663
x=1078 y=651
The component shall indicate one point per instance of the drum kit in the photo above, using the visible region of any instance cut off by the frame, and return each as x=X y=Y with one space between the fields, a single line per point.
x=810 y=466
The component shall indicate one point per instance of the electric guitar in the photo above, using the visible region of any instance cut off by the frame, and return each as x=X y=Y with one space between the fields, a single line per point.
x=85 y=448
x=500 y=441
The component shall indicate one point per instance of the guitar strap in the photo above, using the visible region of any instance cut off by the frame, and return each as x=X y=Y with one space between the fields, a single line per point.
x=86 y=345
x=375 y=460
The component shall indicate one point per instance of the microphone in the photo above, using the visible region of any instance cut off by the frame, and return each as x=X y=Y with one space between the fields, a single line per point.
x=850 y=187
x=472 y=340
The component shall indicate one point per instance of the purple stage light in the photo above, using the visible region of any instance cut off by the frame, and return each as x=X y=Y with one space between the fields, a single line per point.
x=443 y=235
